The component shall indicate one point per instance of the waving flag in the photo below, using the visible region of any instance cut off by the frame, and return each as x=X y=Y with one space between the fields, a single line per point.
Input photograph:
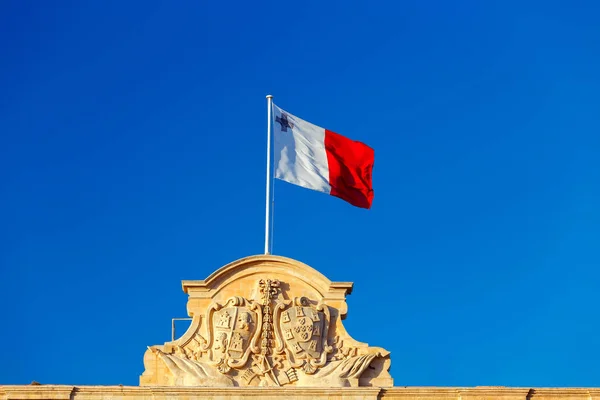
x=319 y=159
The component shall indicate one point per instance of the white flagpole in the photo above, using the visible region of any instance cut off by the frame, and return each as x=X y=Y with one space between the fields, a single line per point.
x=268 y=208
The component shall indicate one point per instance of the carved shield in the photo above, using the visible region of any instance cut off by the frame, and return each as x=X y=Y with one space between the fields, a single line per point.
x=302 y=329
x=234 y=328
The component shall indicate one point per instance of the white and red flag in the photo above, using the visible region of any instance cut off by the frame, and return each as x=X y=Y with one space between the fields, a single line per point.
x=322 y=160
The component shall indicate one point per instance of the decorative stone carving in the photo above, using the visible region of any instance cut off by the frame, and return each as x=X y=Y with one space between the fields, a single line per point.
x=266 y=321
x=302 y=334
x=231 y=333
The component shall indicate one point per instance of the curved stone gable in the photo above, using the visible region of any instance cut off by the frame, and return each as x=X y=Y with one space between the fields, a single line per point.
x=266 y=321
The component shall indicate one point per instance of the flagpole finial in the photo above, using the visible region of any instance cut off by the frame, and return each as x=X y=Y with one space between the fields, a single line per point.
x=269 y=96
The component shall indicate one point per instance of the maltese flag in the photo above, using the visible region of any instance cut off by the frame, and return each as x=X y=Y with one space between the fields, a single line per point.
x=319 y=159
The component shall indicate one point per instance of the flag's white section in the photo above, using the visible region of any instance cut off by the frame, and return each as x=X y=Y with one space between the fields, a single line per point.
x=299 y=152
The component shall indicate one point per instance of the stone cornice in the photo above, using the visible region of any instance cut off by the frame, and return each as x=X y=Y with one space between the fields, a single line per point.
x=67 y=392
x=35 y=392
x=488 y=392
x=60 y=392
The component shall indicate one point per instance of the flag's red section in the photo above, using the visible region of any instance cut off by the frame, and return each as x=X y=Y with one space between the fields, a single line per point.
x=350 y=169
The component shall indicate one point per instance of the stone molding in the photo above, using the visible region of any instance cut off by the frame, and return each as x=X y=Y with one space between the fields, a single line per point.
x=66 y=392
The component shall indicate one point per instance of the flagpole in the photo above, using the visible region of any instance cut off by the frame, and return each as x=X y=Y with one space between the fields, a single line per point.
x=268 y=208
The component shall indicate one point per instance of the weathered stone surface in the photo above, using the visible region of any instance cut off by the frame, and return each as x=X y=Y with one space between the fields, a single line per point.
x=266 y=321
x=56 y=392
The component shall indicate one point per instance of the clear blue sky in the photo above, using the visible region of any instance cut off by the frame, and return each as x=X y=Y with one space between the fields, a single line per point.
x=132 y=156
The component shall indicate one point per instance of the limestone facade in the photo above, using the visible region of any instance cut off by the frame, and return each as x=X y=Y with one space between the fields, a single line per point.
x=55 y=392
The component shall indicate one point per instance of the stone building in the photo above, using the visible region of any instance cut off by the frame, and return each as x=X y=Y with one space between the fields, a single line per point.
x=271 y=327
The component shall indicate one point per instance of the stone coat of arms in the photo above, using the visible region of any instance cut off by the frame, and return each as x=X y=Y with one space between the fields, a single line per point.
x=302 y=334
x=232 y=330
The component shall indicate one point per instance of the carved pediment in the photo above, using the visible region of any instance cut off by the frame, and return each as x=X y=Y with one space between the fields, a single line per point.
x=266 y=321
